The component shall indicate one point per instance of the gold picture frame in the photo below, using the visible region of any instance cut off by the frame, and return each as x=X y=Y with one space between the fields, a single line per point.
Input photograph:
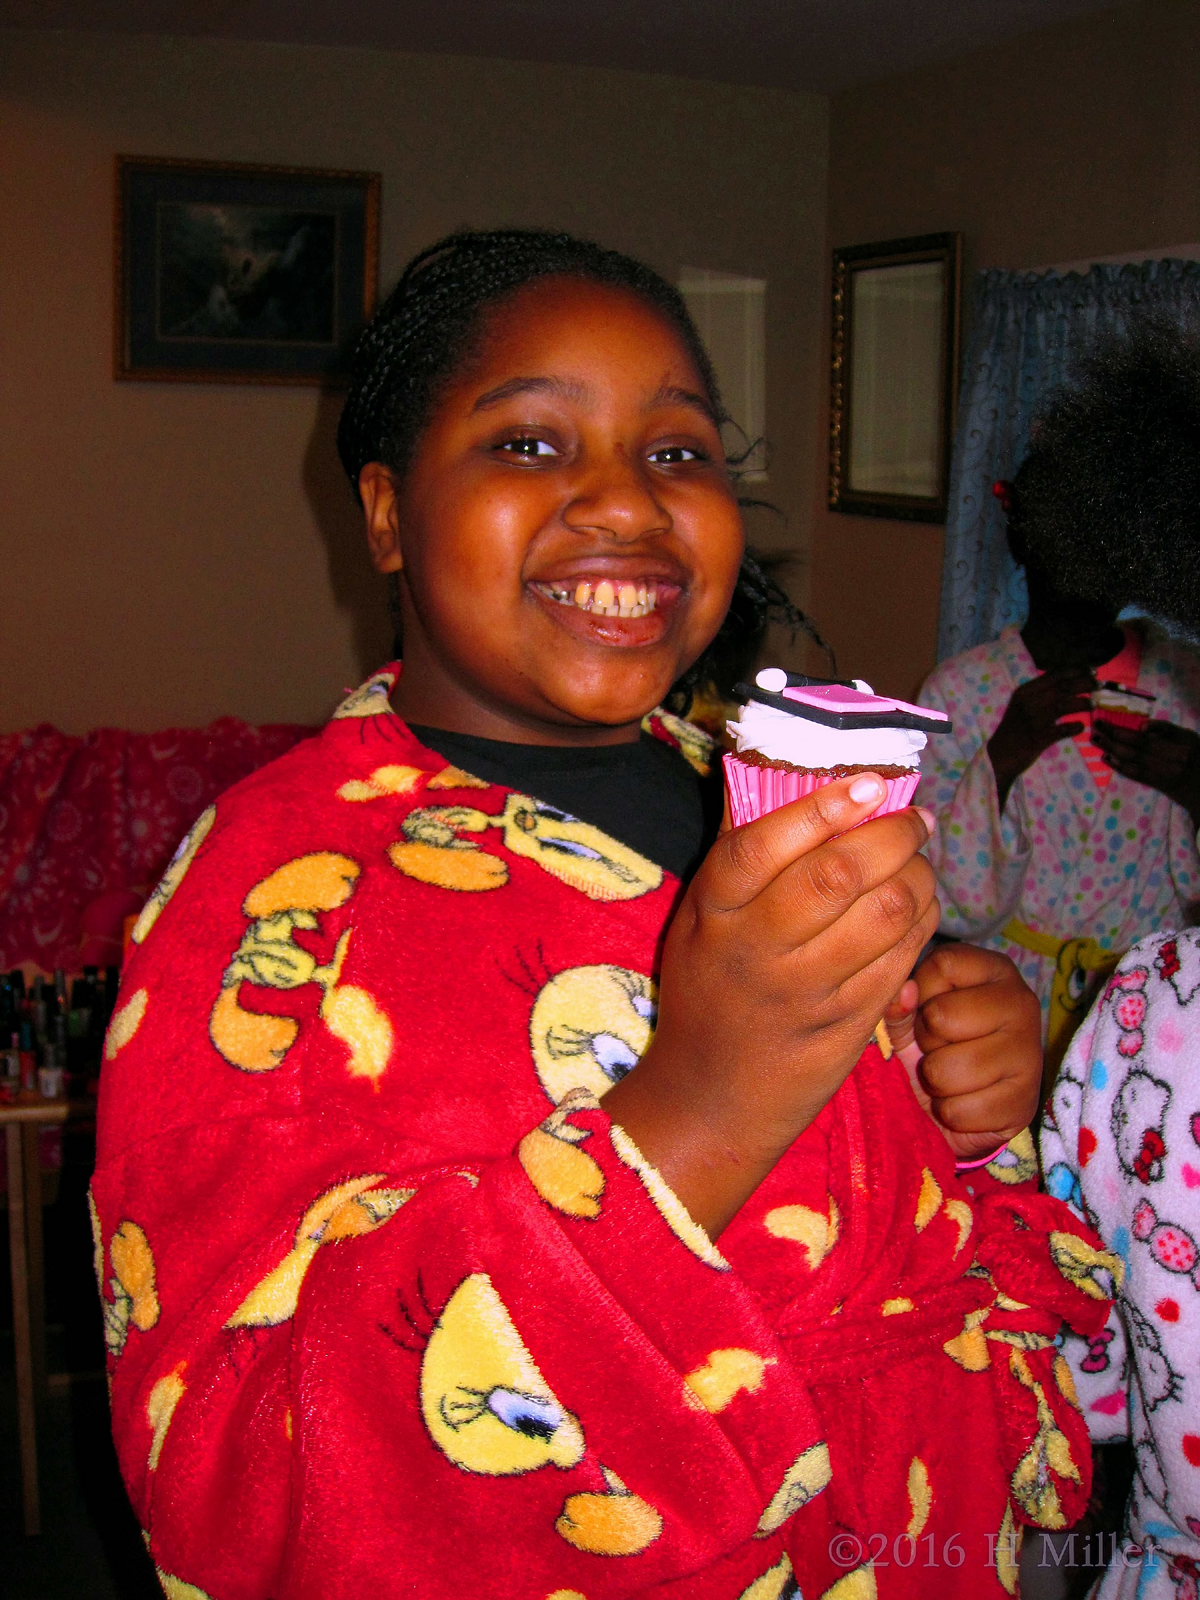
x=227 y=272
x=894 y=376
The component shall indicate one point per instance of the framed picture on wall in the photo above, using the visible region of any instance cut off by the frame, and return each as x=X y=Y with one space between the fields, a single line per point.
x=225 y=273
x=894 y=376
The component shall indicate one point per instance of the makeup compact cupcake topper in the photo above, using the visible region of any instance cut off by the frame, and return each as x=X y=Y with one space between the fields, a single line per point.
x=796 y=734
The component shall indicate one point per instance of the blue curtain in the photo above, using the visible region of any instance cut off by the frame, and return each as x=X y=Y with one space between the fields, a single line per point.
x=1027 y=333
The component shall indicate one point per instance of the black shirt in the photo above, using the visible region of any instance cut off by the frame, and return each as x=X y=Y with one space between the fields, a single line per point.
x=644 y=794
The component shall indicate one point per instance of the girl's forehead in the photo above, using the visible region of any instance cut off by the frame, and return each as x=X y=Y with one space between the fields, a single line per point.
x=572 y=324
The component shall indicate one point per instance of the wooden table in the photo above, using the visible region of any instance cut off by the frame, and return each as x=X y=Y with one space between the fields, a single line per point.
x=21 y=1123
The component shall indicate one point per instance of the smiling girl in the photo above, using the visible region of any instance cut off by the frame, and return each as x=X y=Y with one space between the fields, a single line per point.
x=395 y=1305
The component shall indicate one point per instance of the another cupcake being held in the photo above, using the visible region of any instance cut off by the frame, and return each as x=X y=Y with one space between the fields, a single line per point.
x=796 y=734
x=1122 y=706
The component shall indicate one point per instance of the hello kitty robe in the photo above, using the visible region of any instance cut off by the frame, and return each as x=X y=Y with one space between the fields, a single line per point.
x=1063 y=857
x=1122 y=1147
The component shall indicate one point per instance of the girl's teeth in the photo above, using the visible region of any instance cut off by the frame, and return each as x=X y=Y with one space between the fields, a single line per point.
x=606 y=599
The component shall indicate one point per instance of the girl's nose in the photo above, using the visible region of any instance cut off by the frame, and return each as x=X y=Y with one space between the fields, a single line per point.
x=616 y=499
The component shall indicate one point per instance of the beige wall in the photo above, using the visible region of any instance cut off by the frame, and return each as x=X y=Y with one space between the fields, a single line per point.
x=173 y=552
x=1079 y=141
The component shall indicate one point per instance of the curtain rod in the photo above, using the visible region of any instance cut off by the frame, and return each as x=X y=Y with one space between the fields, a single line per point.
x=1175 y=252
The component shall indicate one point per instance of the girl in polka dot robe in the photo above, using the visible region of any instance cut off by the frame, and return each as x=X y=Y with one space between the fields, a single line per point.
x=1061 y=840
x=1122 y=1147
x=1064 y=855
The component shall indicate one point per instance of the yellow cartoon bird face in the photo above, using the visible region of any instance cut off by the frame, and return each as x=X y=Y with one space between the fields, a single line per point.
x=486 y=1405
x=1098 y=1273
x=370 y=699
x=433 y=850
x=589 y=1026
x=1017 y=1162
x=576 y=852
x=807 y=1476
x=174 y=875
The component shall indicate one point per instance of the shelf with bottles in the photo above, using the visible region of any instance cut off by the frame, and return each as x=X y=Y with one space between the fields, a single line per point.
x=52 y=1032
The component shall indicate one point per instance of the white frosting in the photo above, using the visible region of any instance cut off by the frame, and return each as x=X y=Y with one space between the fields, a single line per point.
x=780 y=736
x=1118 y=700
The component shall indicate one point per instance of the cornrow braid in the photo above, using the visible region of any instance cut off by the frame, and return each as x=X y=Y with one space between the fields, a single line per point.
x=429 y=326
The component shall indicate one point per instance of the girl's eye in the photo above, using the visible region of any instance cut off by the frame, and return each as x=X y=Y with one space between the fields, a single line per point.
x=673 y=455
x=528 y=447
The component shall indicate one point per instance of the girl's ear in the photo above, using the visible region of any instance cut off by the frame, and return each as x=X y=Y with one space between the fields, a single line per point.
x=380 y=502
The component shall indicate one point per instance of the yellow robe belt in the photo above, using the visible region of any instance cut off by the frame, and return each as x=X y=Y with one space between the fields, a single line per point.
x=1074 y=961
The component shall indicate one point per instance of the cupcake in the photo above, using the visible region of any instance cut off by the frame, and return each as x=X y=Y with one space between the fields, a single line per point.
x=796 y=734
x=1124 y=708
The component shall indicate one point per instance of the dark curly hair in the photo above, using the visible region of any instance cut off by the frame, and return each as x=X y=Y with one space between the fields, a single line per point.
x=1107 y=502
x=430 y=324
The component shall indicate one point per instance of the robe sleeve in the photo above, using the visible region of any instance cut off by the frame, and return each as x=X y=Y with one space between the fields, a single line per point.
x=1183 y=858
x=981 y=855
x=332 y=1362
x=1099 y=1363
x=1181 y=665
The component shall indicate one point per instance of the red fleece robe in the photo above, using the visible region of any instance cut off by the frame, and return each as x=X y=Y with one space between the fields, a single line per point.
x=394 y=1310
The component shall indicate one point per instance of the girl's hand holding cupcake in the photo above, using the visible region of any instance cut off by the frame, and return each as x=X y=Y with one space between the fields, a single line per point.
x=969 y=1030
x=1160 y=755
x=785 y=950
x=1035 y=718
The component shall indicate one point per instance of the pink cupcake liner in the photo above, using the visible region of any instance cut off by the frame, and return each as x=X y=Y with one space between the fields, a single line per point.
x=1136 y=720
x=753 y=790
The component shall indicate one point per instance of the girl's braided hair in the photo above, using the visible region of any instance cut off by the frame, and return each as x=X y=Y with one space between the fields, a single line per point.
x=430 y=325
x=1107 y=502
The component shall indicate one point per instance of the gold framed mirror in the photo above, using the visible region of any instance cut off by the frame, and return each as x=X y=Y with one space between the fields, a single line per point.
x=894 y=376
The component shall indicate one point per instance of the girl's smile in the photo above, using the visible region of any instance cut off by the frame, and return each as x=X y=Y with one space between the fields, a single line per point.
x=604 y=587
x=567 y=533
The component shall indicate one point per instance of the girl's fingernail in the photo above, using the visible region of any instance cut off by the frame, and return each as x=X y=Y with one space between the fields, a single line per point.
x=927 y=817
x=866 y=788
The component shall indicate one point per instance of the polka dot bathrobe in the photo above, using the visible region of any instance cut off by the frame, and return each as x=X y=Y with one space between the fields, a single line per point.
x=1066 y=858
x=393 y=1309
